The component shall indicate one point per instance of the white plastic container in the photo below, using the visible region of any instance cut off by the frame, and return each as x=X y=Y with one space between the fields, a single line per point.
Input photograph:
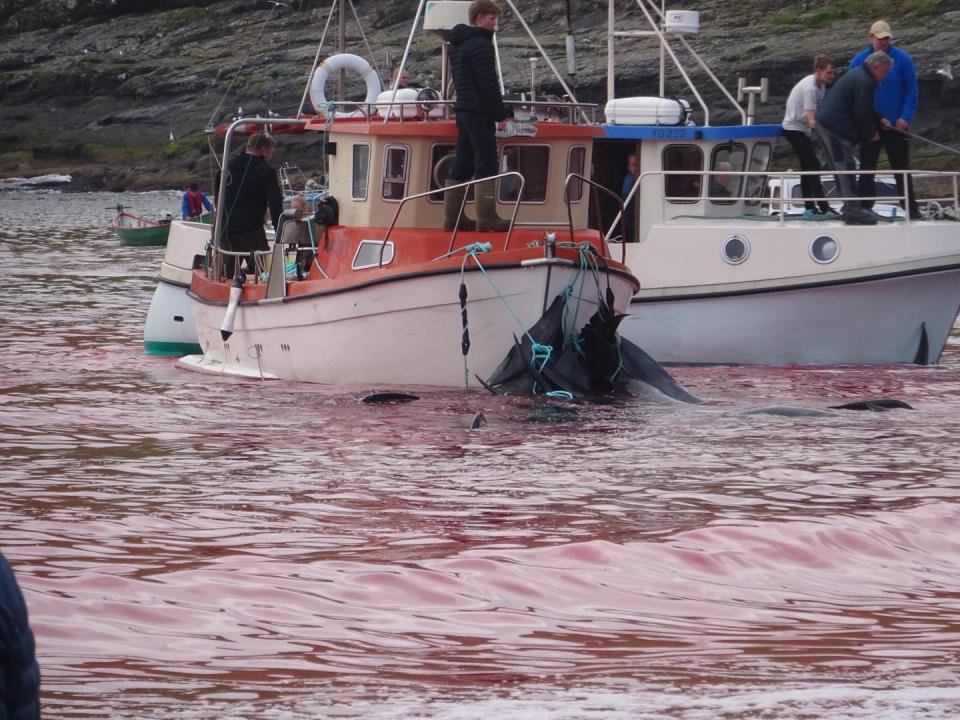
x=647 y=111
x=407 y=96
x=682 y=21
x=445 y=14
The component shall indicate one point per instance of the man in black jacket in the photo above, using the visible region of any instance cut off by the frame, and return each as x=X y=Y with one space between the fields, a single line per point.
x=252 y=189
x=479 y=107
x=846 y=118
x=19 y=672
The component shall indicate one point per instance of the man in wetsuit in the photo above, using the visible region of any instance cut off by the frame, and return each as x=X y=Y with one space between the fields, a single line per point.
x=252 y=189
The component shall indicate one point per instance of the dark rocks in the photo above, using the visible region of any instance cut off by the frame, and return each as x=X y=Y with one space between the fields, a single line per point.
x=128 y=72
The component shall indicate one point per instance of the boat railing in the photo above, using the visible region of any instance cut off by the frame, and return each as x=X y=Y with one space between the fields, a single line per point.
x=616 y=198
x=782 y=177
x=463 y=202
x=433 y=109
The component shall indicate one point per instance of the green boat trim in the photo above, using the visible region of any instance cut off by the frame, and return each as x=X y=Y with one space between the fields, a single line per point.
x=155 y=347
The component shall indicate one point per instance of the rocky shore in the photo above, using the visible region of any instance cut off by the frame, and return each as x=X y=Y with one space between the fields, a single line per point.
x=118 y=93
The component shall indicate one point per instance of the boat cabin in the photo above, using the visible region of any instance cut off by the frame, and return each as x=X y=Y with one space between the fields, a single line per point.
x=374 y=165
x=687 y=171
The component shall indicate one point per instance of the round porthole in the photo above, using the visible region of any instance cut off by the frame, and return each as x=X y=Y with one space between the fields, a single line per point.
x=824 y=249
x=736 y=249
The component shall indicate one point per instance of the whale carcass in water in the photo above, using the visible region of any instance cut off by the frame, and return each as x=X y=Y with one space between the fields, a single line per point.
x=595 y=362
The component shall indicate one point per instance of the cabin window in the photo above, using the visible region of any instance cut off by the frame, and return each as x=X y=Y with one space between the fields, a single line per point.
x=575 y=164
x=728 y=158
x=368 y=254
x=442 y=158
x=759 y=162
x=361 y=171
x=395 y=162
x=531 y=161
x=682 y=188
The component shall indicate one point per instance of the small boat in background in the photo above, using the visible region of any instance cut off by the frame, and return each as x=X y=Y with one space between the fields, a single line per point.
x=138 y=231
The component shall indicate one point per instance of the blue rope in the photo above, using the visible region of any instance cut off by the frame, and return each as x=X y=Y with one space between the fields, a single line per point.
x=475 y=247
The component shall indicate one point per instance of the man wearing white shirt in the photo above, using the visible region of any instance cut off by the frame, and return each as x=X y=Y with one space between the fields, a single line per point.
x=798 y=124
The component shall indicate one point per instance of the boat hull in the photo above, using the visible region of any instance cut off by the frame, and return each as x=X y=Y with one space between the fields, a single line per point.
x=169 y=329
x=406 y=331
x=139 y=237
x=859 y=321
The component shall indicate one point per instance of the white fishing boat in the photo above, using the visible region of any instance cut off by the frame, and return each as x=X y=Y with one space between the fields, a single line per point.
x=389 y=296
x=723 y=281
x=169 y=329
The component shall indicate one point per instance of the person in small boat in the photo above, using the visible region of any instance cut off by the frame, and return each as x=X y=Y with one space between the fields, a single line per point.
x=252 y=189
x=798 y=123
x=19 y=671
x=194 y=203
x=629 y=210
x=896 y=100
x=845 y=120
x=479 y=108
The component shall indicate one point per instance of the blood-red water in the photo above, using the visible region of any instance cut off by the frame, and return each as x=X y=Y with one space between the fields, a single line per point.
x=193 y=547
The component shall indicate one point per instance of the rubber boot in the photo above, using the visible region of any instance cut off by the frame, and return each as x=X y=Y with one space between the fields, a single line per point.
x=487 y=218
x=452 y=199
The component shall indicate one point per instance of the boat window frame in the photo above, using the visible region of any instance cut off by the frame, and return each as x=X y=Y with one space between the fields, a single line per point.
x=437 y=198
x=388 y=254
x=729 y=145
x=583 y=166
x=406 y=171
x=759 y=179
x=353 y=172
x=526 y=185
x=692 y=199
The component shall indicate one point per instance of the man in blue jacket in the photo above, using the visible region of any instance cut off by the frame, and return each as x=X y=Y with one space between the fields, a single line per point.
x=896 y=101
x=479 y=107
x=19 y=672
x=846 y=119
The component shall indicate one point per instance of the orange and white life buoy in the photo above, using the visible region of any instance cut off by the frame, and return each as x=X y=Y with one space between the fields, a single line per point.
x=336 y=63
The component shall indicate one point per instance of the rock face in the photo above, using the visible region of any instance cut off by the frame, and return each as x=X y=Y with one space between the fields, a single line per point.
x=117 y=93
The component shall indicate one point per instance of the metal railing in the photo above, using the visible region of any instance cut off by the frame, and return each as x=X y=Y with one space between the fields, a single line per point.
x=566 y=199
x=423 y=110
x=463 y=202
x=782 y=201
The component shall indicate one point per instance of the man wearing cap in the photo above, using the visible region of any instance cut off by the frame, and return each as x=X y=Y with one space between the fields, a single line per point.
x=896 y=101
x=845 y=120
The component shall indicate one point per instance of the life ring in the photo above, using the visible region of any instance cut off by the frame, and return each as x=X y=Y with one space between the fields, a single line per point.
x=336 y=63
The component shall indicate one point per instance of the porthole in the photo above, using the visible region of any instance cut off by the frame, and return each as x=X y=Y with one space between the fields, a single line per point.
x=736 y=249
x=824 y=249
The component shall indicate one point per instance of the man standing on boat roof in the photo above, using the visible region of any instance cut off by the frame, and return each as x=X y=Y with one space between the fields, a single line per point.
x=896 y=100
x=846 y=118
x=798 y=124
x=252 y=189
x=479 y=107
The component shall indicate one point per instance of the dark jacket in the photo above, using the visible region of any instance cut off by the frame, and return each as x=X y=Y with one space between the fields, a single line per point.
x=19 y=672
x=847 y=108
x=475 y=73
x=252 y=187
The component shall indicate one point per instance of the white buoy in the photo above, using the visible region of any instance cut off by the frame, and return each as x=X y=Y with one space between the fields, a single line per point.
x=226 y=327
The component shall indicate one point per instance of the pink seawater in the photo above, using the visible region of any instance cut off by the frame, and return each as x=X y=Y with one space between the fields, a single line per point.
x=194 y=547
